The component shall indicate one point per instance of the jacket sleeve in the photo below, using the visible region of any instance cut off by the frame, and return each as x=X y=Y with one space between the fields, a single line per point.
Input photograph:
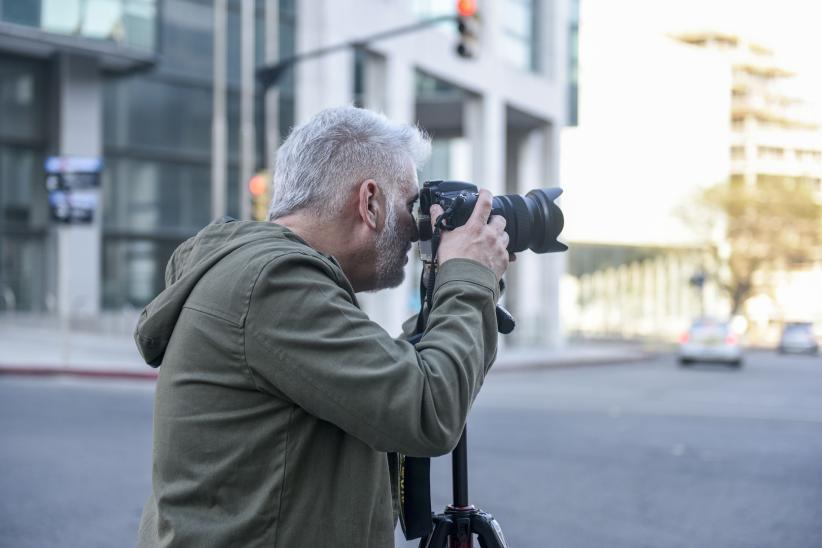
x=306 y=339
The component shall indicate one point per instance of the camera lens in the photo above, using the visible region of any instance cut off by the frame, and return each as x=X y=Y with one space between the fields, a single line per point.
x=533 y=221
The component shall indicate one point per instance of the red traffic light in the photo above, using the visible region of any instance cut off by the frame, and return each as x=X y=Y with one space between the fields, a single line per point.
x=467 y=28
x=466 y=8
x=258 y=185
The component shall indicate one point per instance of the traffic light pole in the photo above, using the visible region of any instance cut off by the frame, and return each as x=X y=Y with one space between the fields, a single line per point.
x=270 y=74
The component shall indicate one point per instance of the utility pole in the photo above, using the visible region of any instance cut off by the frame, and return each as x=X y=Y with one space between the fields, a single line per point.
x=218 y=120
x=247 y=135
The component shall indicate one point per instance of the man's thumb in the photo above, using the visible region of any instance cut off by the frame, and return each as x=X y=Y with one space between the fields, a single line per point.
x=435 y=211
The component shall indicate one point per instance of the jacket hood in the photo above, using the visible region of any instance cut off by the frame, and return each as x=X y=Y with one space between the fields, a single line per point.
x=188 y=264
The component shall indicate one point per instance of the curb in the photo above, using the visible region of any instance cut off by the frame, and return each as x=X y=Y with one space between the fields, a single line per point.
x=533 y=364
x=48 y=371
x=512 y=365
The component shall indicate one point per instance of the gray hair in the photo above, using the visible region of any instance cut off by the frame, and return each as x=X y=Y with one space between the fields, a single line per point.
x=337 y=149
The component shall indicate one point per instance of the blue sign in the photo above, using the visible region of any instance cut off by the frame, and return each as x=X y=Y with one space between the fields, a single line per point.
x=72 y=183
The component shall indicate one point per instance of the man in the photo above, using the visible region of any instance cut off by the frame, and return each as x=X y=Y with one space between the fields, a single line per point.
x=278 y=398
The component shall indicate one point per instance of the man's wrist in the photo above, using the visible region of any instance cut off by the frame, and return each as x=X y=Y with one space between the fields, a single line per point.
x=467 y=270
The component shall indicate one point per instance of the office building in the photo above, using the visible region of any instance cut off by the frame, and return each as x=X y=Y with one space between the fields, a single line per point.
x=132 y=82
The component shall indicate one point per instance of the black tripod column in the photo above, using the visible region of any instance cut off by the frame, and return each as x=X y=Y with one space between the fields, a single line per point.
x=456 y=527
x=459 y=472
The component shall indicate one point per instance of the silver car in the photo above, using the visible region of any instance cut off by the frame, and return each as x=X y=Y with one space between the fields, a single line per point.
x=709 y=340
x=798 y=337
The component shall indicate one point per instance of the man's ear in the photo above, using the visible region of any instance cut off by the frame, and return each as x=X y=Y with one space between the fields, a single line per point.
x=370 y=203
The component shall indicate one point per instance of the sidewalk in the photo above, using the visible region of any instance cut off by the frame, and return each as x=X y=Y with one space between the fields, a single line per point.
x=32 y=348
x=46 y=349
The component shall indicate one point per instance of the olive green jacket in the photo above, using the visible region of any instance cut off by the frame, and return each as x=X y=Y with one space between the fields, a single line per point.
x=278 y=398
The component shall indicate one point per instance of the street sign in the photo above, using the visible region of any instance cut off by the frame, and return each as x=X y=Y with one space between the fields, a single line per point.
x=72 y=183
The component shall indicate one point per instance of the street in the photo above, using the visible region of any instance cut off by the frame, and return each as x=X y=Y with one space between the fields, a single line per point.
x=643 y=454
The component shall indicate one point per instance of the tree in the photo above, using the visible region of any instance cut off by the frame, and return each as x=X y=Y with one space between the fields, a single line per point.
x=772 y=225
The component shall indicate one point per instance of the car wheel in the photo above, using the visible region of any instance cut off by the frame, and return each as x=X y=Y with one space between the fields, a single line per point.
x=684 y=362
x=736 y=364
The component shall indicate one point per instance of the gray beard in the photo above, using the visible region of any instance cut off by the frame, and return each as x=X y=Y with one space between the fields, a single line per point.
x=392 y=247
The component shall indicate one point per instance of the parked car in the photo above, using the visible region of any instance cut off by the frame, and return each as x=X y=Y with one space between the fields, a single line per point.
x=710 y=340
x=798 y=338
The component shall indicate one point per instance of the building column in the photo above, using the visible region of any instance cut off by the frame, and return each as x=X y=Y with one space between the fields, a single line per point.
x=378 y=85
x=78 y=119
x=555 y=264
x=538 y=277
x=326 y=81
x=525 y=277
x=272 y=94
x=219 y=112
x=484 y=129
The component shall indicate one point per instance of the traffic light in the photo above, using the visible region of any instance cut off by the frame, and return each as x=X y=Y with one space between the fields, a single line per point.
x=260 y=196
x=468 y=28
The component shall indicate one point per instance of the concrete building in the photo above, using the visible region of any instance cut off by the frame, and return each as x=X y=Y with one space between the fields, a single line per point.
x=144 y=88
x=128 y=85
x=495 y=119
x=773 y=131
x=662 y=116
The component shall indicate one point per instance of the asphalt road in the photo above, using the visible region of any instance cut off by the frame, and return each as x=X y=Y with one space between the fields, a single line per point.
x=624 y=455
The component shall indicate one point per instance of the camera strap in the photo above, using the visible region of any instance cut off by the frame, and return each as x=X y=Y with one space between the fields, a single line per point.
x=414 y=473
x=414 y=492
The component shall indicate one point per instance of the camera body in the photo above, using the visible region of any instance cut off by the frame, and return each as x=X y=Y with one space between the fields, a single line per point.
x=457 y=200
x=532 y=221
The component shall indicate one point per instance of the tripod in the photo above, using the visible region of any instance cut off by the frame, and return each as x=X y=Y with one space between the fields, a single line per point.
x=457 y=525
x=461 y=521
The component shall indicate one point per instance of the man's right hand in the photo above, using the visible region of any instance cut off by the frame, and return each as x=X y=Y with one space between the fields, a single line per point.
x=478 y=239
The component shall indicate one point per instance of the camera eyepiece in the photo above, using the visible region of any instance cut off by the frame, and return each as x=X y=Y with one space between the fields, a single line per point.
x=532 y=221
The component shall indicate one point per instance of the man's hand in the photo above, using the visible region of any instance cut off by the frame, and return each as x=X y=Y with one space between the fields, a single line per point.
x=477 y=239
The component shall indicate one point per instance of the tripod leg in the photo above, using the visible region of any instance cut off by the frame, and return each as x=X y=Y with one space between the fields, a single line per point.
x=439 y=536
x=487 y=530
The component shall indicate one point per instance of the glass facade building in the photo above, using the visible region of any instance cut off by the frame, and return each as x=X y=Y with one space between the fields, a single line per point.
x=23 y=208
x=155 y=134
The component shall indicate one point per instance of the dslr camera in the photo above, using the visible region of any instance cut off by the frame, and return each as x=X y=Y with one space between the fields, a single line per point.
x=532 y=221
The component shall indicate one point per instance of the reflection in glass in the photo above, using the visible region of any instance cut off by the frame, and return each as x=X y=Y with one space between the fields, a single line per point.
x=517 y=40
x=146 y=196
x=133 y=270
x=157 y=114
x=126 y=22
x=22 y=86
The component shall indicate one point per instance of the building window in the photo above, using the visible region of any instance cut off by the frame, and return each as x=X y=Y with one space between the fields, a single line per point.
x=129 y=23
x=134 y=270
x=287 y=47
x=738 y=153
x=23 y=199
x=573 y=64
x=22 y=99
x=770 y=153
x=518 y=33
